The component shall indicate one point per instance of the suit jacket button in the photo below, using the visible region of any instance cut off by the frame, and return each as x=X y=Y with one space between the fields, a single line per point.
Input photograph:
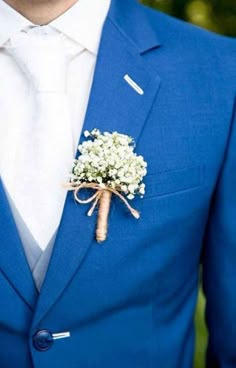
x=43 y=340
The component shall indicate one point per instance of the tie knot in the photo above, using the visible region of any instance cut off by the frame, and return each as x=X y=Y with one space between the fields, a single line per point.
x=42 y=56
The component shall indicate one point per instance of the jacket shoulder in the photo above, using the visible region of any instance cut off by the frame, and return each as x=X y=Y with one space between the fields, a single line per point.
x=191 y=40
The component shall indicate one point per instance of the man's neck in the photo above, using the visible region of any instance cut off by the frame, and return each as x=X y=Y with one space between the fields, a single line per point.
x=41 y=11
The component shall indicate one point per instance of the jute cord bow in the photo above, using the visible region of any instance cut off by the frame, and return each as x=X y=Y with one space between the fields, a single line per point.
x=102 y=197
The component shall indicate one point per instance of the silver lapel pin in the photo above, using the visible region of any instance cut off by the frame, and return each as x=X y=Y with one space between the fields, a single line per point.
x=60 y=335
x=133 y=84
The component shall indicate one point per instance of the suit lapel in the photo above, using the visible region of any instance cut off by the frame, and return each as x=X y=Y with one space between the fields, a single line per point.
x=13 y=263
x=113 y=106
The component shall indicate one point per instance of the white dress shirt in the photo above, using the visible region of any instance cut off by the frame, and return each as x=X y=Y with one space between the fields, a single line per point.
x=81 y=24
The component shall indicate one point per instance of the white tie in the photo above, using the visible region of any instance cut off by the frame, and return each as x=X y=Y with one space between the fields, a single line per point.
x=44 y=163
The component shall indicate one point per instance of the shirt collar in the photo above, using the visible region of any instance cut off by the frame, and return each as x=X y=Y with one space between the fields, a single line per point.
x=11 y=22
x=82 y=23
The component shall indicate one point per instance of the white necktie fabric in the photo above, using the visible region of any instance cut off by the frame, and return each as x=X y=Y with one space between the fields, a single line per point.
x=44 y=163
x=81 y=26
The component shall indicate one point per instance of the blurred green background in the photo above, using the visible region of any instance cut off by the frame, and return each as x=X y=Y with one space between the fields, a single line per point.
x=218 y=16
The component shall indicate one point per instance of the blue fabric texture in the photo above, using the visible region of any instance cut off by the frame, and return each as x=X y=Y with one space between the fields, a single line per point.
x=37 y=259
x=129 y=302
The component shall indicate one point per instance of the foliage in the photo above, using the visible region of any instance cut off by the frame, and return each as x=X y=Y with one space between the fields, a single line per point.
x=201 y=333
x=216 y=15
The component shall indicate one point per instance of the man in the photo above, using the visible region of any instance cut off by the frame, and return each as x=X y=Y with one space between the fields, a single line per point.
x=65 y=300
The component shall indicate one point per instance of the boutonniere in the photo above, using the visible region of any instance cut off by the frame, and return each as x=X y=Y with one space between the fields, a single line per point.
x=108 y=164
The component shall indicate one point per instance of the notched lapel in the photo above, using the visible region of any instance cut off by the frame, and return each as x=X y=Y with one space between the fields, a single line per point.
x=113 y=106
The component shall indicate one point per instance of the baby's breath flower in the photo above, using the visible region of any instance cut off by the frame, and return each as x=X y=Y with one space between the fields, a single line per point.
x=86 y=133
x=130 y=196
x=109 y=160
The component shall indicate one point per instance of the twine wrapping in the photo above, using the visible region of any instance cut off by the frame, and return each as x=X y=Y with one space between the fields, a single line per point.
x=102 y=197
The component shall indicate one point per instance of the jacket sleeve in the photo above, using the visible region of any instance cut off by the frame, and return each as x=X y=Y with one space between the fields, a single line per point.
x=219 y=264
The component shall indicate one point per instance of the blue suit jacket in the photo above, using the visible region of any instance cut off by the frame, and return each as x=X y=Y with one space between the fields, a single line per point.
x=130 y=301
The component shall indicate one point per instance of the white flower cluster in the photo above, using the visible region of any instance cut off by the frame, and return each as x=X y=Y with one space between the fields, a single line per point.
x=109 y=159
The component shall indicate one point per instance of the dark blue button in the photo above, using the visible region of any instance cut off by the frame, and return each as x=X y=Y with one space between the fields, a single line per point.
x=43 y=340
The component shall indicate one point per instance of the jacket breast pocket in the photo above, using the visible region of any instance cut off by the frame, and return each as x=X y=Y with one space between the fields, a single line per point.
x=173 y=181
